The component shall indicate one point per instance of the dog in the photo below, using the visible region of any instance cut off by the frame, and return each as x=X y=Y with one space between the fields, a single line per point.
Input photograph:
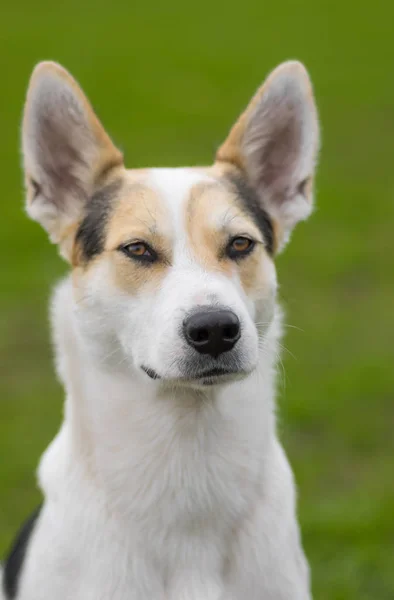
x=166 y=480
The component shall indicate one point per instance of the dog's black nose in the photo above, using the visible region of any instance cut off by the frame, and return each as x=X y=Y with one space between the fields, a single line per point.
x=212 y=331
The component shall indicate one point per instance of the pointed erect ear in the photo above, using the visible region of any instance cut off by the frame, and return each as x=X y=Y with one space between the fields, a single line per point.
x=275 y=144
x=66 y=152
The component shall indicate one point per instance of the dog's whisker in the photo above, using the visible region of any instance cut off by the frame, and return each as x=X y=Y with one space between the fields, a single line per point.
x=285 y=349
x=287 y=325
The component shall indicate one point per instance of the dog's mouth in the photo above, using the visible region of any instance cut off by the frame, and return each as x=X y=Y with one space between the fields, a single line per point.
x=207 y=377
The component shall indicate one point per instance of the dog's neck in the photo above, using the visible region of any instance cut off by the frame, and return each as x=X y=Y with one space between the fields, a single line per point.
x=121 y=423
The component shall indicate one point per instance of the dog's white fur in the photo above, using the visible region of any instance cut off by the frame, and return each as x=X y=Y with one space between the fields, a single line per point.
x=154 y=490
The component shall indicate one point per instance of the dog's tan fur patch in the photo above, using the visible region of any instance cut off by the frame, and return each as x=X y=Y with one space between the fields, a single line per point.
x=214 y=216
x=139 y=215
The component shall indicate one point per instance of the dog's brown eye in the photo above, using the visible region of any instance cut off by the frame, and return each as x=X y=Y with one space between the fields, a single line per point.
x=239 y=247
x=139 y=251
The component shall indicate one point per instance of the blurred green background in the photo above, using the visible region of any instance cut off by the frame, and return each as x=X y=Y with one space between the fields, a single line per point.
x=168 y=79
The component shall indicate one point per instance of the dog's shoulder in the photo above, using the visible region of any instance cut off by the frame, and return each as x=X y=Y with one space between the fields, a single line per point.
x=12 y=567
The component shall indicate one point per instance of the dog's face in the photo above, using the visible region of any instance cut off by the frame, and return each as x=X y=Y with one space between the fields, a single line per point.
x=172 y=269
x=180 y=272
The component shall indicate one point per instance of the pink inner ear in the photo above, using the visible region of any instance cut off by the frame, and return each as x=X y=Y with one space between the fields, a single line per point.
x=273 y=144
x=60 y=158
x=279 y=154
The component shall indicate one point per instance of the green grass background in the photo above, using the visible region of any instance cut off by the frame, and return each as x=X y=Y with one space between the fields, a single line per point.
x=168 y=79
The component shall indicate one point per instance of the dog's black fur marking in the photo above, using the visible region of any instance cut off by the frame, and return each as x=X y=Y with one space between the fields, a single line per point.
x=252 y=204
x=150 y=372
x=91 y=232
x=14 y=561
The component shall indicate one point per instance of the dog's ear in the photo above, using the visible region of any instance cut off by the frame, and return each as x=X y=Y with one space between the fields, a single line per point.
x=66 y=151
x=275 y=144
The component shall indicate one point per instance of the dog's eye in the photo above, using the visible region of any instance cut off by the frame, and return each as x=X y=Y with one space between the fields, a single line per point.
x=239 y=247
x=140 y=251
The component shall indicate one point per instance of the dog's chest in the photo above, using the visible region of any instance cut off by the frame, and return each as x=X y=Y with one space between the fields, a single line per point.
x=185 y=478
x=172 y=495
x=184 y=539
x=181 y=491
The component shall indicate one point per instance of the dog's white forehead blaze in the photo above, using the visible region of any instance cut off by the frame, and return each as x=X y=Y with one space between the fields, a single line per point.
x=174 y=187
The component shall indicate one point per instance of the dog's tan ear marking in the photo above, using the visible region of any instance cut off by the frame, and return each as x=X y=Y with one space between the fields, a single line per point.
x=66 y=151
x=275 y=144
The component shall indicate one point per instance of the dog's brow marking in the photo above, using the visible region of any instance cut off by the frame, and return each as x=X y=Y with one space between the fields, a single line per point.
x=151 y=226
x=195 y=193
x=251 y=204
x=91 y=232
x=215 y=213
x=228 y=217
x=139 y=212
x=207 y=200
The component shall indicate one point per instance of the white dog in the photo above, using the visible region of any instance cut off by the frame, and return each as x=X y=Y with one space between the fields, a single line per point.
x=166 y=480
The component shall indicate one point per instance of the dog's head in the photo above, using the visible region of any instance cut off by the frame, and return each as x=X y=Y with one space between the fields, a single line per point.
x=172 y=269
